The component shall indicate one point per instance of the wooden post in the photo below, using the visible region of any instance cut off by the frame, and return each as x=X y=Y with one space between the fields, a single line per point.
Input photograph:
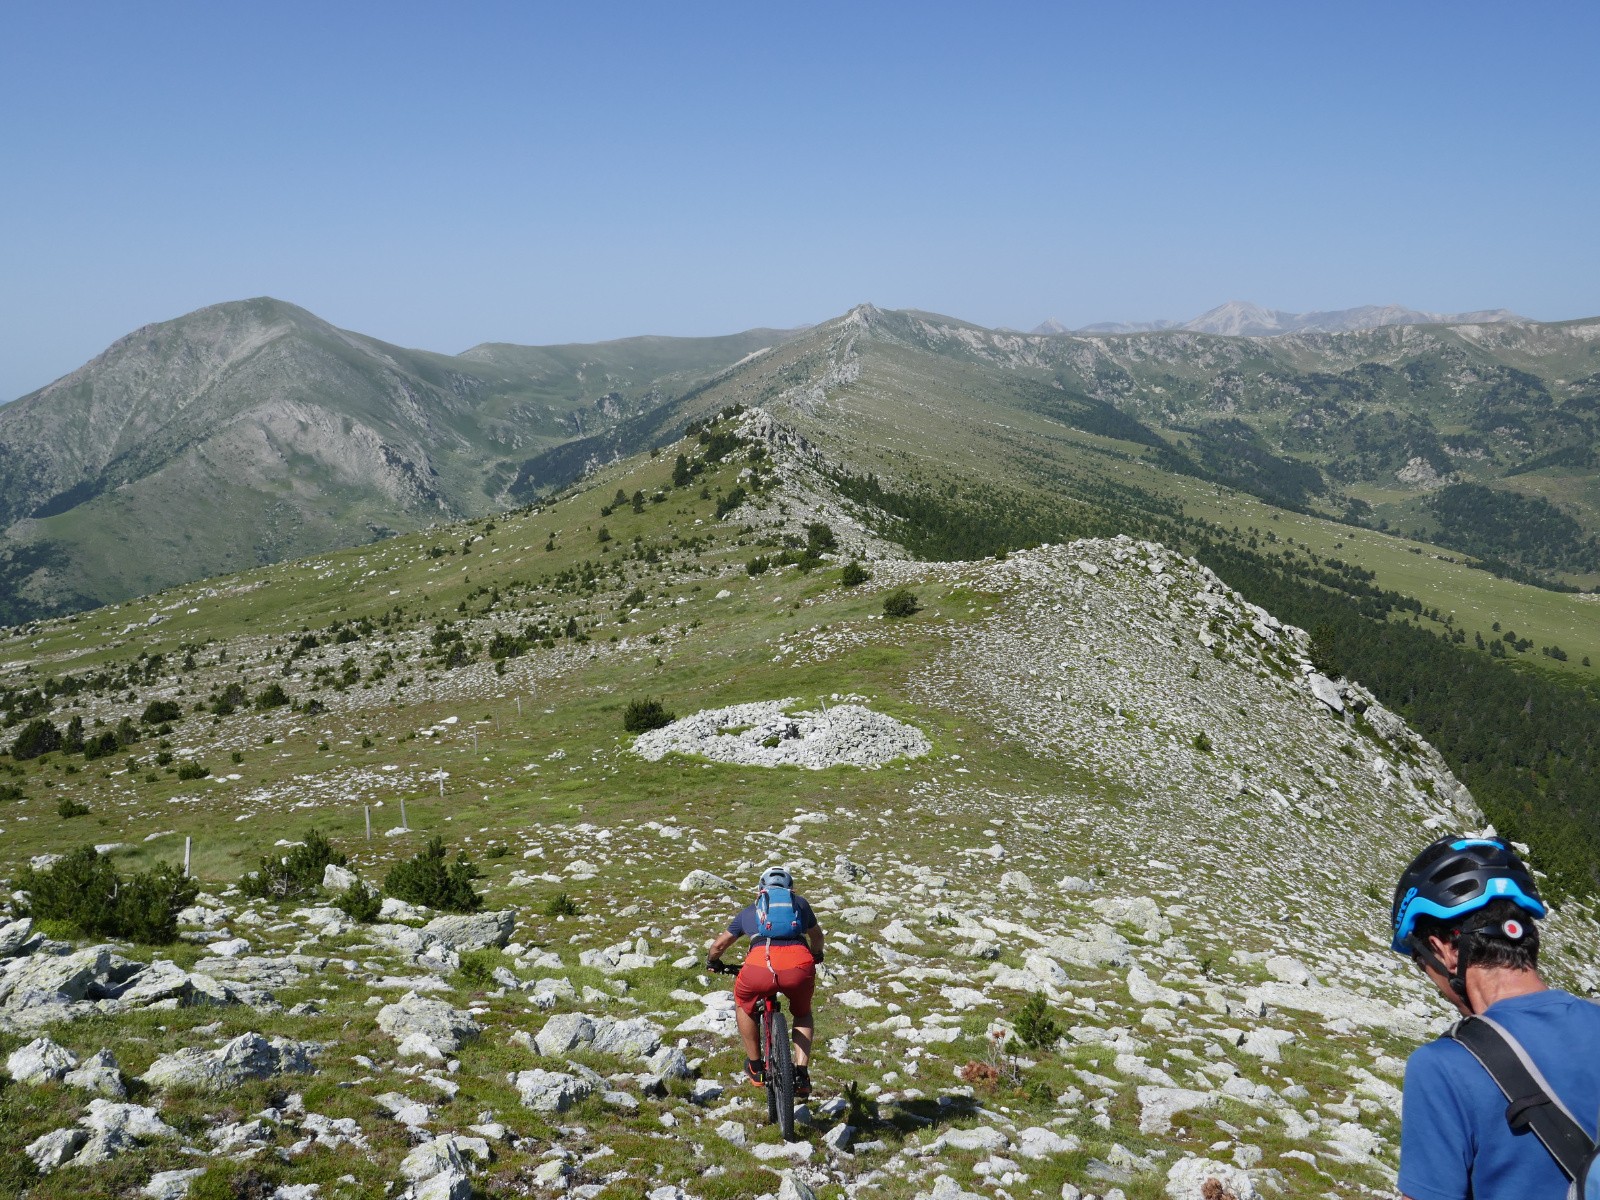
x=441 y=787
x=187 y=842
x=519 y=708
x=366 y=810
x=474 y=741
x=404 y=824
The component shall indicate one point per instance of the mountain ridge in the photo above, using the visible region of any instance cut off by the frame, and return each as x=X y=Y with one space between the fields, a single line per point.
x=1242 y=318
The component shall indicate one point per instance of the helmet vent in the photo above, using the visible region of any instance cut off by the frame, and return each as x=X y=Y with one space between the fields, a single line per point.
x=1466 y=887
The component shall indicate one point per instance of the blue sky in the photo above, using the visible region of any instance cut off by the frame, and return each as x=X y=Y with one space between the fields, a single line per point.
x=440 y=175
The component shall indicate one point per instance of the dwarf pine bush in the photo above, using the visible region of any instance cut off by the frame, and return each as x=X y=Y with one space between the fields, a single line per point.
x=431 y=879
x=297 y=873
x=645 y=714
x=84 y=892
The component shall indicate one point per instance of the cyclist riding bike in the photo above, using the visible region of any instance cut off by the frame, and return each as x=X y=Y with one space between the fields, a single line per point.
x=785 y=946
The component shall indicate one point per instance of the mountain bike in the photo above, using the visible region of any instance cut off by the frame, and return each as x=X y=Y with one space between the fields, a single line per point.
x=773 y=1038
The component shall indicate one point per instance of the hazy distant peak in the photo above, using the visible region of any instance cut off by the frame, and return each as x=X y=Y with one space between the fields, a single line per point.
x=1242 y=318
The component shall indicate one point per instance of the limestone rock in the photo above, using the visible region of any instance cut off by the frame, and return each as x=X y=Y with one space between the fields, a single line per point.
x=248 y=1056
x=1158 y=1105
x=55 y=1148
x=40 y=1061
x=704 y=881
x=337 y=879
x=550 y=1091
x=447 y=1028
x=14 y=936
x=171 y=1185
x=100 y=1074
x=1187 y=1179
x=473 y=931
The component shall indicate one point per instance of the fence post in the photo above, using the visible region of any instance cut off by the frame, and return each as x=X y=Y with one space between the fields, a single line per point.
x=187 y=842
x=366 y=810
x=404 y=824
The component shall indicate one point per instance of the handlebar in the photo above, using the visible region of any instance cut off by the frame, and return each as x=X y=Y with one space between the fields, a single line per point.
x=721 y=968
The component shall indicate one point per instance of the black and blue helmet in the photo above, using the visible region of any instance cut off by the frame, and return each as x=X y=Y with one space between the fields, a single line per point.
x=1454 y=877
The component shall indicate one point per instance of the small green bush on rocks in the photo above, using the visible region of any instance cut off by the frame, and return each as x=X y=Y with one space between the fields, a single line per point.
x=854 y=574
x=360 y=903
x=84 y=892
x=902 y=602
x=297 y=873
x=38 y=737
x=645 y=714
x=1035 y=1027
x=432 y=880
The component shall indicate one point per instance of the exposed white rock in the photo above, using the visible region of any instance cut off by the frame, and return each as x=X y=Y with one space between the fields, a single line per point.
x=445 y=1027
x=40 y=1061
x=248 y=1056
x=549 y=1091
x=773 y=733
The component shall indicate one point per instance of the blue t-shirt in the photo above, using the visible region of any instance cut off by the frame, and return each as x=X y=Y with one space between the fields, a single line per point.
x=1454 y=1140
x=744 y=924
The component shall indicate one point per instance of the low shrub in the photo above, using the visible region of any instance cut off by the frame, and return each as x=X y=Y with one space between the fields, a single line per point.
x=360 y=903
x=38 y=737
x=297 y=873
x=477 y=967
x=68 y=807
x=854 y=574
x=431 y=879
x=272 y=696
x=159 y=712
x=1034 y=1026
x=645 y=714
x=101 y=745
x=84 y=892
x=902 y=602
x=1202 y=743
x=192 y=770
x=561 y=905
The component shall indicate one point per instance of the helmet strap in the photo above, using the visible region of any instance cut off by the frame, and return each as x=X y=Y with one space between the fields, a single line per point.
x=1457 y=979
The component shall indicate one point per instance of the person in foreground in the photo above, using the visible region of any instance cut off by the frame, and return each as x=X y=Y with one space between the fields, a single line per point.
x=785 y=948
x=1464 y=912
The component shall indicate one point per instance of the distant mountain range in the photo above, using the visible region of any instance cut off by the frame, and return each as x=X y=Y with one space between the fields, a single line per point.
x=1240 y=318
x=252 y=432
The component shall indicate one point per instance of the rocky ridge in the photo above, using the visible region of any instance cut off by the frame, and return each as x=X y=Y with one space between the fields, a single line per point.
x=1137 y=807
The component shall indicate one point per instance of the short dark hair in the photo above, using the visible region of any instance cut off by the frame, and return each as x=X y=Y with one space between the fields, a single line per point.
x=1489 y=951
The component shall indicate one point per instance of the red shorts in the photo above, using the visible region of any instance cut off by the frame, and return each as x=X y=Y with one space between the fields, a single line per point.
x=792 y=971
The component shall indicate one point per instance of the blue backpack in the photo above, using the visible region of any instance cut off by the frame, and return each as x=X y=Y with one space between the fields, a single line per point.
x=776 y=914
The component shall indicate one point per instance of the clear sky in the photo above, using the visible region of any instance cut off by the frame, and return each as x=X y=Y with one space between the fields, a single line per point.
x=443 y=174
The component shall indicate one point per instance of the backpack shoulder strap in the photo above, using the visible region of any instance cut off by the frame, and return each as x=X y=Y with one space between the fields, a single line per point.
x=1533 y=1103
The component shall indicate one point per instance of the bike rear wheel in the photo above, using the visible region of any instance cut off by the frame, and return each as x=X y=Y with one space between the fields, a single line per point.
x=780 y=1074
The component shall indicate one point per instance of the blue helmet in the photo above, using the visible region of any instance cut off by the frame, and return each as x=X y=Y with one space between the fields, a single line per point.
x=1454 y=877
x=777 y=877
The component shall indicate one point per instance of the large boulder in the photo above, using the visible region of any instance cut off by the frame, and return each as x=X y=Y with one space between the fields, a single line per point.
x=446 y=1028
x=636 y=1038
x=550 y=1091
x=473 y=931
x=100 y=1074
x=248 y=1056
x=337 y=879
x=54 y=979
x=40 y=1061
x=15 y=937
x=55 y=1148
x=115 y=1128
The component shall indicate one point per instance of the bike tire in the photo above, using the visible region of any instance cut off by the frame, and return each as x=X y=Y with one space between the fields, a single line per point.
x=780 y=1077
x=766 y=1055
